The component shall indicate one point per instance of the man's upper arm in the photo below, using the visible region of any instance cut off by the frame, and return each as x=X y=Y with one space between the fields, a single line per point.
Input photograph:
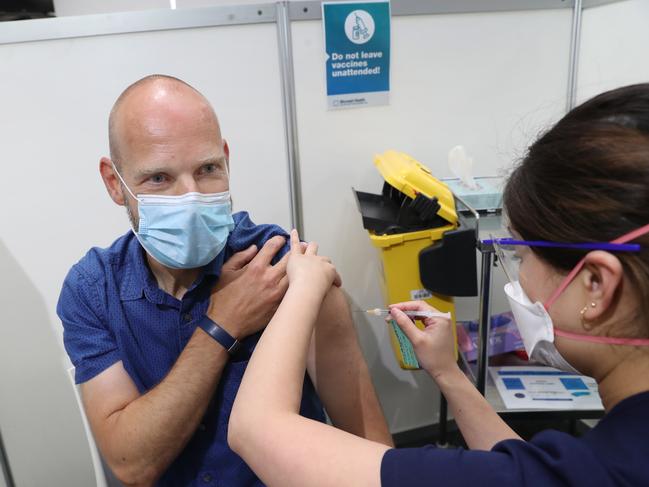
x=89 y=342
x=105 y=385
x=247 y=233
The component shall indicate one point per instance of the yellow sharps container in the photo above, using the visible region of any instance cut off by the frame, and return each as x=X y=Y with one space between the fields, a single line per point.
x=414 y=224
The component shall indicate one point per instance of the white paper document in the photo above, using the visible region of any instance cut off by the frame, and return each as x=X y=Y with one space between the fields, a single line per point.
x=545 y=388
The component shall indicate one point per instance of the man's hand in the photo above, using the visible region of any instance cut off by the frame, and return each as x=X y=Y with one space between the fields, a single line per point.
x=247 y=300
x=234 y=267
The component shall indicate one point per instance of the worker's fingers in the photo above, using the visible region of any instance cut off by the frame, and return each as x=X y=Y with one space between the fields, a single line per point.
x=269 y=250
x=240 y=259
x=406 y=324
x=296 y=245
x=338 y=281
x=311 y=249
x=413 y=306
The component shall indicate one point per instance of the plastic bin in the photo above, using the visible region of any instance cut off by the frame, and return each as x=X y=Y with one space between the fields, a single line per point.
x=414 y=224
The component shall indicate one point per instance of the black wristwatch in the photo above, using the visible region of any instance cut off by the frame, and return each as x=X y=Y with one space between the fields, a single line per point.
x=213 y=329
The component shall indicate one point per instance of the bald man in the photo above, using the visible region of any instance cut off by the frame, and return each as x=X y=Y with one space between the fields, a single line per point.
x=161 y=324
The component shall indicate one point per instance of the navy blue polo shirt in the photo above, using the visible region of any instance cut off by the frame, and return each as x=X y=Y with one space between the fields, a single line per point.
x=112 y=309
x=614 y=453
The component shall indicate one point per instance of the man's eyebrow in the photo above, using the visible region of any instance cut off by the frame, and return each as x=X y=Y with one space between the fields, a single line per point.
x=213 y=160
x=151 y=171
x=164 y=169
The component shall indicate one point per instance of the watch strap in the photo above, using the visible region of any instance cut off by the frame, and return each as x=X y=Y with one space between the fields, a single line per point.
x=214 y=330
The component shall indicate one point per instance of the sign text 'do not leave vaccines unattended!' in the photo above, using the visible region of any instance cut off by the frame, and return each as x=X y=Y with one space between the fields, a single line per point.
x=357 y=44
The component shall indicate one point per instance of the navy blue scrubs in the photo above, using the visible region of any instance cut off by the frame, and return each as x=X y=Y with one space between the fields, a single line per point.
x=614 y=453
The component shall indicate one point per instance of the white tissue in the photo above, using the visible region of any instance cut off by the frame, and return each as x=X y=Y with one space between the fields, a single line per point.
x=461 y=165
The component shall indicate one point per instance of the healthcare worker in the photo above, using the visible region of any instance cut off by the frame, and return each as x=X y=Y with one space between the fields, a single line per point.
x=578 y=207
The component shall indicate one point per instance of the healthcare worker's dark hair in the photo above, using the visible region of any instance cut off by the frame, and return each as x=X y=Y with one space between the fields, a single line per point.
x=587 y=180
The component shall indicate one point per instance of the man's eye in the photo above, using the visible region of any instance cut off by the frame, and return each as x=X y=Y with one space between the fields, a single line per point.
x=210 y=169
x=157 y=178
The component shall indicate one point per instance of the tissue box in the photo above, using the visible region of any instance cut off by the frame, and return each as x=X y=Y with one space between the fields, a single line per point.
x=504 y=336
x=487 y=196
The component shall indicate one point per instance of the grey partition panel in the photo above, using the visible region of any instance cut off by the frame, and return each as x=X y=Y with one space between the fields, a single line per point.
x=129 y=22
x=6 y=479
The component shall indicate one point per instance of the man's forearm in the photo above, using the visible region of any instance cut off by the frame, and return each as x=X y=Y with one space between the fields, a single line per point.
x=149 y=433
x=480 y=425
x=342 y=378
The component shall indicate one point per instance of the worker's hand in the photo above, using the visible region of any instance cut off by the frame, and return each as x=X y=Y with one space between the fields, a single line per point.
x=434 y=345
x=307 y=269
x=252 y=290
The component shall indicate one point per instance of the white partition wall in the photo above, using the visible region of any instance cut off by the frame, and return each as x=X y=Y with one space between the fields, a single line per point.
x=613 y=47
x=489 y=81
x=55 y=97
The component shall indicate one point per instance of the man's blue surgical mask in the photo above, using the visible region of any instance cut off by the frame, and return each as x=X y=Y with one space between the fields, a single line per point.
x=186 y=231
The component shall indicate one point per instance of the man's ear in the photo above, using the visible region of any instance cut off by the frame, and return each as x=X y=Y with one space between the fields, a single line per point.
x=226 y=150
x=111 y=180
x=602 y=279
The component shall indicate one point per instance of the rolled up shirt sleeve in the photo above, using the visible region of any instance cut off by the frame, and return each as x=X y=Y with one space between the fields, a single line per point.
x=89 y=342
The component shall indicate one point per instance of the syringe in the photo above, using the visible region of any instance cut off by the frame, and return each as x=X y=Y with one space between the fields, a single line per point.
x=412 y=314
